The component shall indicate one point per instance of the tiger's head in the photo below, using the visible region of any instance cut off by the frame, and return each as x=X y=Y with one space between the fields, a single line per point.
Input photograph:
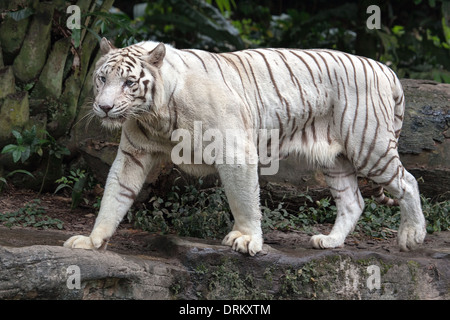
x=127 y=82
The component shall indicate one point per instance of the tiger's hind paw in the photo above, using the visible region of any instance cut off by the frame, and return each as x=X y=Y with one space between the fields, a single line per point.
x=410 y=236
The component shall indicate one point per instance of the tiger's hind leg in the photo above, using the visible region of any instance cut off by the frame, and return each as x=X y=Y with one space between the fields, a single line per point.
x=412 y=228
x=403 y=186
x=343 y=183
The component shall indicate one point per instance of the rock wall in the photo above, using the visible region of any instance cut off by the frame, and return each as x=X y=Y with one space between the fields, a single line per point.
x=42 y=75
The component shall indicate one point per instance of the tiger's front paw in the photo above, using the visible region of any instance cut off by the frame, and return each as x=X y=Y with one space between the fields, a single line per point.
x=83 y=242
x=251 y=244
x=321 y=241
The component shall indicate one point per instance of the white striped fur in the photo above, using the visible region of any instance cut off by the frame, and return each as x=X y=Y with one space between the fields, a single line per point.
x=341 y=112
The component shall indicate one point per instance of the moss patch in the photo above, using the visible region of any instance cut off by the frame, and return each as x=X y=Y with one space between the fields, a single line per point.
x=331 y=277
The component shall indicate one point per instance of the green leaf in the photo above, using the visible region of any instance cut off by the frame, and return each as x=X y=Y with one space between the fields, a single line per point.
x=398 y=30
x=199 y=17
x=61 y=186
x=446 y=28
x=16 y=155
x=18 y=136
x=95 y=34
x=77 y=192
x=9 y=148
x=25 y=154
x=21 y=171
x=76 y=37
x=20 y=14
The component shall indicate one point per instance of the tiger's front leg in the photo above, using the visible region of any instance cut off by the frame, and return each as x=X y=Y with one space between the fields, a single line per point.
x=242 y=190
x=125 y=180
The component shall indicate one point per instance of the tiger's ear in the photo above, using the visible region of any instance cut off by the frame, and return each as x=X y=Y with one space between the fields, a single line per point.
x=156 y=56
x=106 y=46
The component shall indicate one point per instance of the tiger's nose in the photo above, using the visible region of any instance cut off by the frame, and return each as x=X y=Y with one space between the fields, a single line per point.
x=105 y=108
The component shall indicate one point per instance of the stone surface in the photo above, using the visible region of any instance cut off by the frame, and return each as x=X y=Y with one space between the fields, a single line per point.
x=14 y=113
x=7 y=82
x=148 y=266
x=2 y=64
x=12 y=33
x=424 y=143
x=33 y=52
x=51 y=78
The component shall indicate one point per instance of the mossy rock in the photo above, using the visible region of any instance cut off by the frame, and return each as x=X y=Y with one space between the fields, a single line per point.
x=33 y=53
x=51 y=78
x=1 y=57
x=426 y=116
x=340 y=274
x=7 y=82
x=14 y=113
x=65 y=109
x=12 y=34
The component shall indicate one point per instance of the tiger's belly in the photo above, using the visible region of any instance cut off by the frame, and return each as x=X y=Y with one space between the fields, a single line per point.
x=316 y=143
x=197 y=170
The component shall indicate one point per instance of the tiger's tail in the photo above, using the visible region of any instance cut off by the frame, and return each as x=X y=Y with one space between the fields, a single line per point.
x=381 y=198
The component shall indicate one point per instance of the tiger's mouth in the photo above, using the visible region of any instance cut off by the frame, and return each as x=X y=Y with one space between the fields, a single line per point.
x=113 y=122
x=108 y=117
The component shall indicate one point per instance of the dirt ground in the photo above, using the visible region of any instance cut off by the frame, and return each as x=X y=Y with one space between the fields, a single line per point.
x=77 y=221
x=134 y=241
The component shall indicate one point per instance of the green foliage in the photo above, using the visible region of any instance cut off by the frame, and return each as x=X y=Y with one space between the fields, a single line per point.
x=414 y=38
x=54 y=148
x=205 y=213
x=187 y=24
x=329 y=27
x=69 y=181
x=437 y=215
x=28 y=143
x=379 y=221
x=76 y=181
x=297 y=282
x=117 y=26
x=75 y=35
x=192 y=23
x=192 y=212
x=308 y=214
x=223 y=5
x=4 y=182
x=32 y=215
x=382 y=221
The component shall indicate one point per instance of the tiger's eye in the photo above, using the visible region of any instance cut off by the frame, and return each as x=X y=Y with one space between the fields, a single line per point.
x=102 y=79
x=129 y=83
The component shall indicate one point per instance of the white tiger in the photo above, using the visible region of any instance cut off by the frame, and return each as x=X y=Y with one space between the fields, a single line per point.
x=341 y=112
